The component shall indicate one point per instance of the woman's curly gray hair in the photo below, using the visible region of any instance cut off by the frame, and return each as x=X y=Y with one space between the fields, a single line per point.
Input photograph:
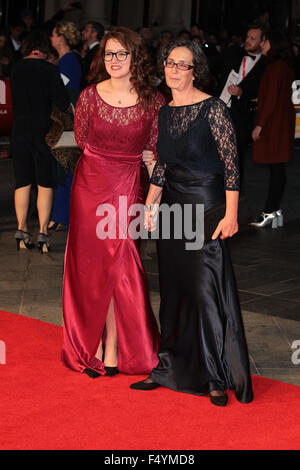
x=200 y=71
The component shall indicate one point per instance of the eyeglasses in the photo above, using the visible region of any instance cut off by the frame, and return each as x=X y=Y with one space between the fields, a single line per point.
x=180 y=65
x=120 y=55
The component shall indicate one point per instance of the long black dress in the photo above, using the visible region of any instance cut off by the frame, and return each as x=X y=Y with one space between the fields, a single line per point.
x=203 y=346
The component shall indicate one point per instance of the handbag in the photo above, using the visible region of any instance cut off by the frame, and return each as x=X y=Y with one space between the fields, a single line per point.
x=63 y=130
x=67 y=158
x=67 y=140
x=61 y=139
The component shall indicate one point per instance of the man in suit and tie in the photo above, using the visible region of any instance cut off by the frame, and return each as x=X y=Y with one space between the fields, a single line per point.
x=249 y=65
x=91 y=35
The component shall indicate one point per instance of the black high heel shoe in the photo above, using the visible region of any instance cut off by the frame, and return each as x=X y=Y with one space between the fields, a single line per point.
x=23 y=240
x=91 y=373
x=143 y=385
x=53 y=227
x=219 y=400
x=43 y=242
x=57 y=227
x=111 y=371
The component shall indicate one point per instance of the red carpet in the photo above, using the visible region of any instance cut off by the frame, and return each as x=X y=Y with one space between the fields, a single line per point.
x=43 y=405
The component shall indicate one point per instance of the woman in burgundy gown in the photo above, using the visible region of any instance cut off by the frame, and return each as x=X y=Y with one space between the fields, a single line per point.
x=109 y=325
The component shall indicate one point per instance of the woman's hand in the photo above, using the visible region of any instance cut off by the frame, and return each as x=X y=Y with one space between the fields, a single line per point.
x=256 y=133
x=148 y=158
x=150 y=217
x=227 y=226
x=152 y=207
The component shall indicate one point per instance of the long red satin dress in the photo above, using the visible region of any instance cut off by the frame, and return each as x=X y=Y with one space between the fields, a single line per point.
x=98 y=270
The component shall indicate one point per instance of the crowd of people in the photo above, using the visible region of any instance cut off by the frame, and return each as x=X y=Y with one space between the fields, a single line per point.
x=154 y=102
x=73 y=49
x=217 y=46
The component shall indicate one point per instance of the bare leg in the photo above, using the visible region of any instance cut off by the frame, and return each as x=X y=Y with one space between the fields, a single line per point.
x=99 y=353
x=44 y=206
x=217 y=393
x=111 y=357
x=218 y=398
x=22 y=199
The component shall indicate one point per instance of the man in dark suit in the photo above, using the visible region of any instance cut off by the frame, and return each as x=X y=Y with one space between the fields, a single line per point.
x=249 y=64
x=91 y=35
x=16 y=30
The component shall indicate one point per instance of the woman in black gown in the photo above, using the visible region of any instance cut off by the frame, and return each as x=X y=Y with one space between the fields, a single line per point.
x=203 y=348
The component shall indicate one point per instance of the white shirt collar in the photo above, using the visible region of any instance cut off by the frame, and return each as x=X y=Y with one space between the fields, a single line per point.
x=94 y=44
x=15 y=44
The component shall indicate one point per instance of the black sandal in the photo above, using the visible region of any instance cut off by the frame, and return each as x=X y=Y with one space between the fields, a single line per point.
x=23 y=240
x=91 y=373
x=111 y=371
x=143 y=385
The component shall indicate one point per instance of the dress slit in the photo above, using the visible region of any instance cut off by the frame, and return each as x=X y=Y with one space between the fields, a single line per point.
x=104 y=330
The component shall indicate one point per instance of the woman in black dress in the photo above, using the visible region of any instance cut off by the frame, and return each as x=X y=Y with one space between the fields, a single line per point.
x=203 y=348
x=36 y=87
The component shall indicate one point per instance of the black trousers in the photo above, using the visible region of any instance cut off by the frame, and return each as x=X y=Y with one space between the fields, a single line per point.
x=244 y=124
x=277 y=180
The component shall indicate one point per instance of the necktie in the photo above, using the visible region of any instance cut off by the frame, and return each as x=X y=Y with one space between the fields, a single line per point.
x=253 y=57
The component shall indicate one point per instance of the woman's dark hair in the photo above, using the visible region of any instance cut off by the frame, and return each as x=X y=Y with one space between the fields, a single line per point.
x=200 y=71
x=280 y=48
x=36 y=40
x=142 y=73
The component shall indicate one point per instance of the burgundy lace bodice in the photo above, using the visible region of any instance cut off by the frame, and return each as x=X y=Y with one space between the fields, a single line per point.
x=115 y=130
x=199 y=136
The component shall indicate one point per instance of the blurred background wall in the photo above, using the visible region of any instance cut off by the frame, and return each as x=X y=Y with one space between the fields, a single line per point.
x=212 y=15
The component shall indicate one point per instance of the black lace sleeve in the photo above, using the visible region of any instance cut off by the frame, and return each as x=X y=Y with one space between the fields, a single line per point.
x=158 y=175
x=225 y=138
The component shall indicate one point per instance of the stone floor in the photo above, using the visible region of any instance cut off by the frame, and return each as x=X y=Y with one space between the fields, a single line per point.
x=266 y=264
